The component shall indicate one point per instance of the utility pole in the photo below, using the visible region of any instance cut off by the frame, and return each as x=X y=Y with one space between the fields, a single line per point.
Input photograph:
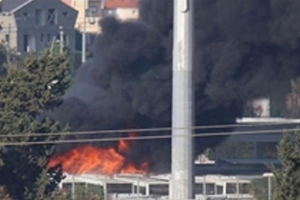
x=269 y=176
x=61 y=39
x=105 y=189
x=84 y=33
x=73 y=188
x=8 y=43
x=182 y=181
x=9 y=35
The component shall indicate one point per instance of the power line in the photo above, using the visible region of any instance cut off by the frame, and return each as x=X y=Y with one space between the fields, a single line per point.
x=203 y=135
x=148 y=130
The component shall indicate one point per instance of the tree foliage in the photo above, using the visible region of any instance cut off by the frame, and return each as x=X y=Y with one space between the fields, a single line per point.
x=27 y=90
x=8 y=57
x=3 y=59
x=82 y=192
x=287 y=178
x=259 y=188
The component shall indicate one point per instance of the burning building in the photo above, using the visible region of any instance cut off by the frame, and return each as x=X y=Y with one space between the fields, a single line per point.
x=244 y=50
x=135 y=186
x=89 y=159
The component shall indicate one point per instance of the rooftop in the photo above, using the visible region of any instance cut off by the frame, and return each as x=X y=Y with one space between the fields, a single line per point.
x=9 y=5
x=121 y=3
x=157 y=180
x=68 y=2
x=267 y=120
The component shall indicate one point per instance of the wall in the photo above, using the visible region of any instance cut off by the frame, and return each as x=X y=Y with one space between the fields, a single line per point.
x=127 y=13
x=93 y=15
x=253 y=148
x=37 y=26
x=7 y=22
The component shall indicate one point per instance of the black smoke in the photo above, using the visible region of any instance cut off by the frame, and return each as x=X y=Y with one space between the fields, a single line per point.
x=243 y=49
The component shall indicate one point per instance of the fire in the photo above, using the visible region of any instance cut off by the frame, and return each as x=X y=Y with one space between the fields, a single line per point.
x=89 y=159
x=132 y=169
x=123 y=146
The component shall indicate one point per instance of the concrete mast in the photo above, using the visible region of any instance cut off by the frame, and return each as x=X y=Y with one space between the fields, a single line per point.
x=182 y=102
x=83 y=56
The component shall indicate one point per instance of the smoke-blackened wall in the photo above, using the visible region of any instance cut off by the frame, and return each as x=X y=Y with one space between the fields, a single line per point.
x=244 y=49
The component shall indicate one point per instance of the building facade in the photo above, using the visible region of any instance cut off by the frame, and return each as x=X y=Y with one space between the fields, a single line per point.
x=154 y=187
x=121 y=9
x=254 y=142
x=92 y=15
x=33 y=25
x=91 y=11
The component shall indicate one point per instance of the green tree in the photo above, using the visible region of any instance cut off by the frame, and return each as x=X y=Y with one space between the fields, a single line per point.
x=82 y=192
x=7 y=57
x=259 y=188
x=287 y=178
x=27 y=90
x=88 y=192
x=3 y=59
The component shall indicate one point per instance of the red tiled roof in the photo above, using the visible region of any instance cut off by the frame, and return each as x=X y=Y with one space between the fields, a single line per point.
x=68 y=2
x=121 y=3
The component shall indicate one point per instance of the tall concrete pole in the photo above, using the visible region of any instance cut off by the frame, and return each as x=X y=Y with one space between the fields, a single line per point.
x=83 y=58
x=182 y=102
x=73 y=188
x=269 y=188
x=61 y=39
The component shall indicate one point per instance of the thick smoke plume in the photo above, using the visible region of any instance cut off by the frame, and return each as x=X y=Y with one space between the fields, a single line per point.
x=244 y=49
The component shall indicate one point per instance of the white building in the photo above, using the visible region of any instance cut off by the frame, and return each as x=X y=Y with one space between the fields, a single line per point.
x=131 y=186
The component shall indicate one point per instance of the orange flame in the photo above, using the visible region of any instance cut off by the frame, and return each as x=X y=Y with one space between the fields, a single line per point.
x=123 y=146
x=89 y=159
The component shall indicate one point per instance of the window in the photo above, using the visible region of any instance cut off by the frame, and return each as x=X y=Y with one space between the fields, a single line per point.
x=93 y=9
x=231 y=188
x=219 y=189
x=198 y=188
x=25 y=42
x=48 y=37
x=267 y=150
x=66 y=39
x=244 y=188
x=142 y=190
x=240 y=150
x=51 y=17
x=39 y=17
x=42 y=37
x=210 y=188
x=159 y=190
x=29 y=43
x=25 y=14
x=65 y=13
x=7 y=38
